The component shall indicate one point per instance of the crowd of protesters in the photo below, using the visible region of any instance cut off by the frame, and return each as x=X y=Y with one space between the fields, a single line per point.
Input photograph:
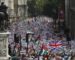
x=43 y=32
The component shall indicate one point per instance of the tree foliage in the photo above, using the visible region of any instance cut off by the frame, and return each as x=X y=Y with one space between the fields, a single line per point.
x=40 y=5
x=45 y=7
x=31 y=7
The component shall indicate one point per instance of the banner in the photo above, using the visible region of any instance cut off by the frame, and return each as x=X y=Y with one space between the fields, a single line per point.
x=55 y=45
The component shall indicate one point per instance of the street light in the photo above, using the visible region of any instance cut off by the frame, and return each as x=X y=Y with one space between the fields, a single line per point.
x=28 y=38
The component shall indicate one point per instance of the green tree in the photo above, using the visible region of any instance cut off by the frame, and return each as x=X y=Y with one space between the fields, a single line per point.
x=43 y=7
x=39 y=6
x=50 y=7
x=36 y=7
x=31 y=7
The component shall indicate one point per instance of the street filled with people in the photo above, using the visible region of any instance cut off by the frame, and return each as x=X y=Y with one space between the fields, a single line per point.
x=41 y=43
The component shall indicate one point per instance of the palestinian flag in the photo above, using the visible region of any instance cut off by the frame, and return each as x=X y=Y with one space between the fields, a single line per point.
x=44 y=49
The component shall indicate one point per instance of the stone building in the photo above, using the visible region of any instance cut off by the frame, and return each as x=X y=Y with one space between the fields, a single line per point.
x=70 y=16
x=16 y=8
x=22 y=8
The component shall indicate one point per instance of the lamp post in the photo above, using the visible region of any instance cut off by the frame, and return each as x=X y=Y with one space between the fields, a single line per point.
x=28 y=35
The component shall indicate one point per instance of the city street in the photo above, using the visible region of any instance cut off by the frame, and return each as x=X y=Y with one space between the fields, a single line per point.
x=37 y=30
x=42 y=42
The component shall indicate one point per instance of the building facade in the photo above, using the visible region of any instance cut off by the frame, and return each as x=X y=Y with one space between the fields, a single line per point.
x=16 y=8
x=70 y=16
x=22 y=8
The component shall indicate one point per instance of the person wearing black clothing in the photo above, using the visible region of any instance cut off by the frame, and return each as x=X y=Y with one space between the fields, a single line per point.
x=9 y=49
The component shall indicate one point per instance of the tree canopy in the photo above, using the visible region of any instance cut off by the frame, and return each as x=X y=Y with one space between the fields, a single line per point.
x=43 y=7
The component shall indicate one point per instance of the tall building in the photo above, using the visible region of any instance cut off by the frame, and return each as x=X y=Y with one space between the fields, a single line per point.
x=70 y=16
x=22 y=8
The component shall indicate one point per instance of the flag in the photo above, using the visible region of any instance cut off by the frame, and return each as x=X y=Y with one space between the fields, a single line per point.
x=44 y=52
x=44 y=49
x=55 y=45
